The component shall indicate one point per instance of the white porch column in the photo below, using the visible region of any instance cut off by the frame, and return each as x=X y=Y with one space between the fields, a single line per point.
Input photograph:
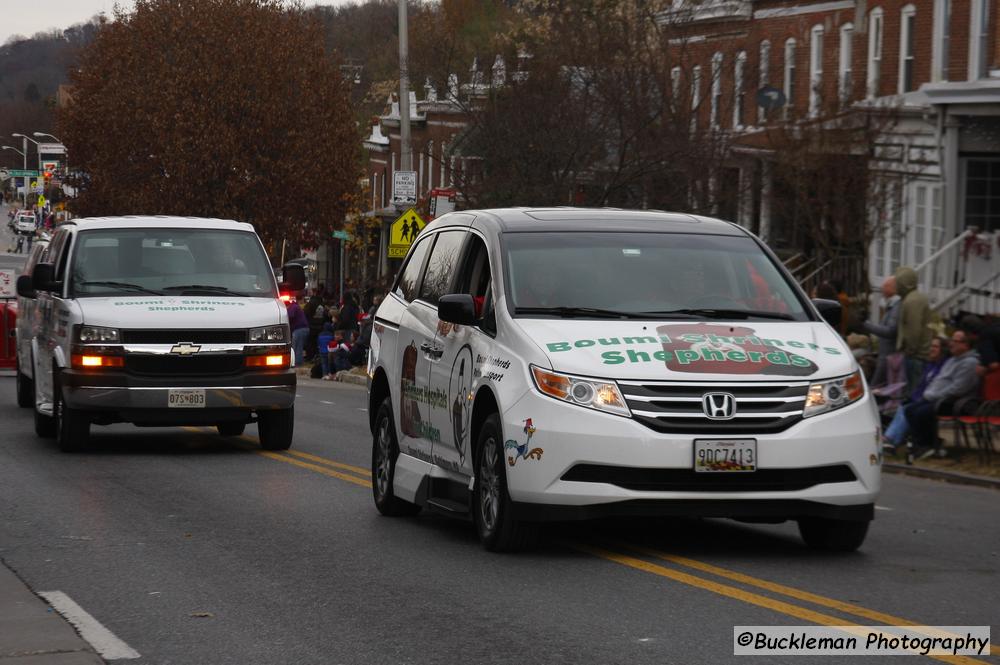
x=744 y=214
x=766 y=192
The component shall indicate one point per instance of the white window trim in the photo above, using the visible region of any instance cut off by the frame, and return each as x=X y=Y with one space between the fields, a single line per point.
x=941 y=37
x=764 y=74
x=695 y=95
x=845 y=67
x=904 y=38
x=788 y=78
x=739 y=103
x=977 y=26
x=874 y=76
x=716 y=98
x=815 y=69
x=675 y=86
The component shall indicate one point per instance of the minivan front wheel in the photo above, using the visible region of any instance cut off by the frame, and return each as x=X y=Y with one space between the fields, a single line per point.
x=385 y=452
x=492 y=508
x=833 y=535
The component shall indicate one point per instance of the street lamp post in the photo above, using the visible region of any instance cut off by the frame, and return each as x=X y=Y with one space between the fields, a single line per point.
x=25 y=140
x=24 y=162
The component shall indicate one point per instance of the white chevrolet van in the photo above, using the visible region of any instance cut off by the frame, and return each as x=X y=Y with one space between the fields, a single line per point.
x=154 y=321
x=563 y=364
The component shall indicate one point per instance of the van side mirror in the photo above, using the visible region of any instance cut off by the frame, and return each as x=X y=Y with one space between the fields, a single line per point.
x=293 y=277
x=829 y=310
x=457 y=308
x=42 y=278
x=24 y=287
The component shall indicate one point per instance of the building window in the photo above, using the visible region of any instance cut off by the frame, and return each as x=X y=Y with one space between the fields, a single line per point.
x=942 y=28
x=675 y=87
x=765 y=75
x=789 y=82
x=982 y=194
x=979 y=23
x=738 y=102
x=907 y=18
x=695 y=96
x=845 y=70
x=815 y=69
x=716 y=101
x=874 y=51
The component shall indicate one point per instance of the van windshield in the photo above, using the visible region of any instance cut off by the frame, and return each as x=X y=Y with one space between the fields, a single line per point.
x=645 y=275
x=174 y=261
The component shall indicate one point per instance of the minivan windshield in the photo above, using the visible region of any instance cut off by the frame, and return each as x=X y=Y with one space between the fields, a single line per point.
x=174 y=261
x=645 y=275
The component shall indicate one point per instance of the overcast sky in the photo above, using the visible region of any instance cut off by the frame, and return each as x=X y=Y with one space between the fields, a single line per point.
x=24 y=17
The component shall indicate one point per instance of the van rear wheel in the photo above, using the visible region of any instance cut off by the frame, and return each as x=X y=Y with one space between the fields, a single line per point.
x=833 y=535
x=275 y=428
x=492 y=509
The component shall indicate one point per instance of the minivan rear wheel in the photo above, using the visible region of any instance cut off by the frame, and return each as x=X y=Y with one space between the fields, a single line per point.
x=492 y=508
x=833 y=535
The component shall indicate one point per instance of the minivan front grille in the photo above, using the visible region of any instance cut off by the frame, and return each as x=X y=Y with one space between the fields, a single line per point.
x=178 y=335
x=675 y=407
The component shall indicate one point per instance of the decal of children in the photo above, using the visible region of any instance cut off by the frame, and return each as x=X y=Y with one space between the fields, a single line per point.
x=521 y=451
x=459 y=390
x=410 y=419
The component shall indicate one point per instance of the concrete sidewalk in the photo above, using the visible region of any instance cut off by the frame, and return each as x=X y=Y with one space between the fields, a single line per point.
x=32 y=633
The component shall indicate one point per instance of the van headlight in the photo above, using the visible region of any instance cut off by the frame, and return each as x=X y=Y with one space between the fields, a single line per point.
x=834 y=394
x=589 y=393
x=99 y=334
x=277 y=334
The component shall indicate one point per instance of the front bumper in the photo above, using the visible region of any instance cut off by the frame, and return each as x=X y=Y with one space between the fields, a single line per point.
x=825 y=466
x=144 y=399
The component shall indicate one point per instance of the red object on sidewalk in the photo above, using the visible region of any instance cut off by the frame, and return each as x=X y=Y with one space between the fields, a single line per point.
x=8 y=326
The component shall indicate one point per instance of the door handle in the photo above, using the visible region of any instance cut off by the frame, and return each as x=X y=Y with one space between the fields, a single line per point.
x=432 y=350
x=427 y=347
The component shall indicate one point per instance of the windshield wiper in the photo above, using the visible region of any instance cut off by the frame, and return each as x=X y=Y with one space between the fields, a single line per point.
x=123 y=285
x=719 y=313
x=198 y=287
x=570 y=312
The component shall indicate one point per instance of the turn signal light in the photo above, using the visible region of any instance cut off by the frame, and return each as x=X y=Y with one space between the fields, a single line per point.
x=81 y=361
x=286 y=297
x=276 y=360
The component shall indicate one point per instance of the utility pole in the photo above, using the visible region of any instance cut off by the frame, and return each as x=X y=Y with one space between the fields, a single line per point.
x=406 y=151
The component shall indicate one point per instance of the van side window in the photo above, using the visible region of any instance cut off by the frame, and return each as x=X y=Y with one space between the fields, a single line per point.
x=476 y=280
x=409 y=280
x=443 y=265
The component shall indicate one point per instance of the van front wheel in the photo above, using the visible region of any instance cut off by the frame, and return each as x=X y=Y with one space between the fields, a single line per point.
x=492 y=508
x=275 y=428
x=833 y=535
x=25 y=390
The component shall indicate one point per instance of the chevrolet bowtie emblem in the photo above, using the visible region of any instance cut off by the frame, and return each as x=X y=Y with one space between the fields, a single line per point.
x=185 y=349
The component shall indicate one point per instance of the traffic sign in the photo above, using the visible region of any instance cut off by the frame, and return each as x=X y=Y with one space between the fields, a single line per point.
x=403 y=232
x=21 y=173
x=341 y=235
x=404 y=188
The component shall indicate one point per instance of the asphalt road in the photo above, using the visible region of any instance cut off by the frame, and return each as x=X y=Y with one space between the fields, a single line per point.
x=197 y=549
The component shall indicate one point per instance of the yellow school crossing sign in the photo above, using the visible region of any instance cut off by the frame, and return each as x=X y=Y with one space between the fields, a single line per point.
x=403 y=232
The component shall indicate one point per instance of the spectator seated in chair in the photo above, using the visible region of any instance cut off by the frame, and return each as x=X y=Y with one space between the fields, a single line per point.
x=898 y=429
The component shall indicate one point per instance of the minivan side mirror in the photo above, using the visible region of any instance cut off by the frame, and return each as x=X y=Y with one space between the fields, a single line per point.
x=293 y=277
x=24 y=287
x=457 y=308
x=42 y=278
x=829 y=310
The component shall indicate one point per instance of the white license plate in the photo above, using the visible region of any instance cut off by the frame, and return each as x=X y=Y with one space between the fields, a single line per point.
x=725 y=455
x=186 y=399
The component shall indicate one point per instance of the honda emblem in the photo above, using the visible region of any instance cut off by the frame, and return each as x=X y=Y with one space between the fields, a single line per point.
x=718 y=406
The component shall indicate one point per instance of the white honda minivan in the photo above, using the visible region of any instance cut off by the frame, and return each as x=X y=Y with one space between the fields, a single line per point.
x=561 y=364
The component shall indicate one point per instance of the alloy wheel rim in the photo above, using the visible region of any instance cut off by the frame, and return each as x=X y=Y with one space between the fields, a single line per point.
x=382 y=464
x=489 y=487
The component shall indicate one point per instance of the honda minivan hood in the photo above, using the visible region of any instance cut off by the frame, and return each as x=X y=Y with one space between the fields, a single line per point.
x=691 y=350
x=180 y=312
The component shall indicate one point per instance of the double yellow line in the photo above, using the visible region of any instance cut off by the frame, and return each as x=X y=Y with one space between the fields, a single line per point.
x=628 y=555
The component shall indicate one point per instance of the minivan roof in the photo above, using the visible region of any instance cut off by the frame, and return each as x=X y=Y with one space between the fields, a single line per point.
x=157 y=221
x=601 y=219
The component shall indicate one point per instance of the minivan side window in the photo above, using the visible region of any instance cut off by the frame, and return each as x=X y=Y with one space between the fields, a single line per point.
x=475 y=280
x=442 y=265
x=410 y=278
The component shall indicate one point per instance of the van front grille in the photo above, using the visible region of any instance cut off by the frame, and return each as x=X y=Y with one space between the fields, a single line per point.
x=178 y=335
x=172 y=365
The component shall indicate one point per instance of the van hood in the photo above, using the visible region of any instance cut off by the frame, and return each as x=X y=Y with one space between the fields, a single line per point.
x=691 y=350
x=181 y=312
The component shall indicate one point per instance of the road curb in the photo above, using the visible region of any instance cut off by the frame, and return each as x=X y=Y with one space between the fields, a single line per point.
x=955 y=477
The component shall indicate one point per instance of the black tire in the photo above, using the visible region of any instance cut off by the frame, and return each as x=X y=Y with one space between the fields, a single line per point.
x=45 y=426
x=492 y=509
x=72 y=427
x=276 y=428
x=233 y=429
x=385 y=452
x=833 y=535
x=25 y=390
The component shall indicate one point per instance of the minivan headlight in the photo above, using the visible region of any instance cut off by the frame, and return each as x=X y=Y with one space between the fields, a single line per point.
x=99 y=334
x=267 y=334
x=589 y=393
x=829 y=395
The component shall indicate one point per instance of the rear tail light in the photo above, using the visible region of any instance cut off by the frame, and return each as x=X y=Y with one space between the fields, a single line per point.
x=90 y=361
x=270 y=361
